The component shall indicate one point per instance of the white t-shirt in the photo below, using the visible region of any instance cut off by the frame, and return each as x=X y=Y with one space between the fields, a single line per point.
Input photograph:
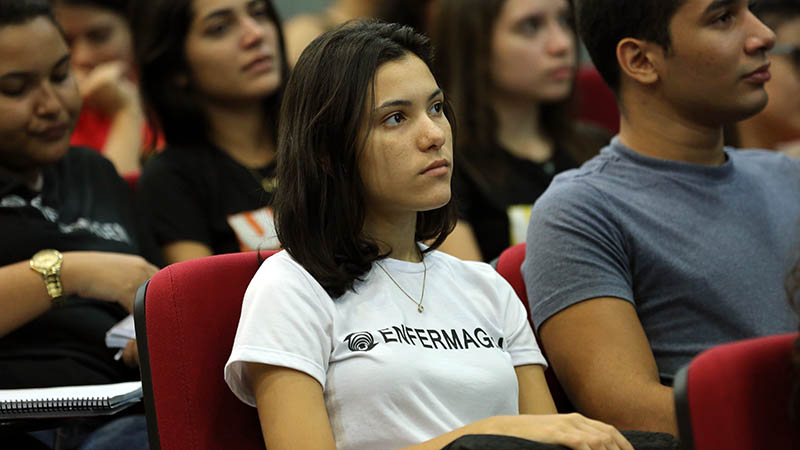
x=391 y=376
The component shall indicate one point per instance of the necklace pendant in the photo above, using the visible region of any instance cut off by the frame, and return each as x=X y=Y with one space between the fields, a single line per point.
x=420 y=308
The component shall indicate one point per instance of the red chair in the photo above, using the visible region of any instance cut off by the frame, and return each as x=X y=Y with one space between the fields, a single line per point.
x=596 y=102
x=186 y=317
x=508 y=265
x=736 y=397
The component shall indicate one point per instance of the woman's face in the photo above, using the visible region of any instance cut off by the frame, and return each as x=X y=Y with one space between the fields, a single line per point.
x=95 y=36
x=233 y=51
x=39 y=100
x=533 y=54
x=407 y=159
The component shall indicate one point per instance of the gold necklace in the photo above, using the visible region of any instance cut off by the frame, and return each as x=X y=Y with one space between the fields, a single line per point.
x=267 y=183
x=424 y=277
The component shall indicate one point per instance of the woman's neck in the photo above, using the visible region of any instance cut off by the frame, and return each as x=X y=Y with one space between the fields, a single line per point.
x=519 y=130
x=242 y=132
x=394 y=234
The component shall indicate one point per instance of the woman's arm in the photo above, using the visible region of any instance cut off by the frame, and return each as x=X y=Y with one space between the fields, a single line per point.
x=184 y=250
x=291 y=409
x=534 y=395
x=104 y=276
x=108 y=90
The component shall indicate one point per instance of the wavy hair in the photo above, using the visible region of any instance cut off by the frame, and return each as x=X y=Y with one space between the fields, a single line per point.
x=320 y=202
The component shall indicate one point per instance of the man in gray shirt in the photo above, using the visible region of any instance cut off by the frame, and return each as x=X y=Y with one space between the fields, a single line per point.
x=666 y=243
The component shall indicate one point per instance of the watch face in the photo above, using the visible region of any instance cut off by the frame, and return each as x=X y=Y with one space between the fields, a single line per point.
x=46 y=259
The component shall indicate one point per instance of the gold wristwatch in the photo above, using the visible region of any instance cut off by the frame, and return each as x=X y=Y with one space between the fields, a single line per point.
x=48 y=263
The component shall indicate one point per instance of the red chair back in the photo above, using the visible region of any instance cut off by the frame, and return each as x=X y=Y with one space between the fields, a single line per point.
x=736 y=397
x=508 y=265
x=186 y=317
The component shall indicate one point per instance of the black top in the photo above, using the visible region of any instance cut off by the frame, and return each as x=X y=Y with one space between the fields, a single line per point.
x=489 y=191
x=83 y=205
x=196 y=194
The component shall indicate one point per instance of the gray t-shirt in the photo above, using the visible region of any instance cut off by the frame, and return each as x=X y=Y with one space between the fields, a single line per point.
x=702 y=252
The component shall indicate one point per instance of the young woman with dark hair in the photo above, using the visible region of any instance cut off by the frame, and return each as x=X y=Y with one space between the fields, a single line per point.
x=112 y=120
x=212 y=71
x=509 y=68
x=357 y=336
x=65 y=213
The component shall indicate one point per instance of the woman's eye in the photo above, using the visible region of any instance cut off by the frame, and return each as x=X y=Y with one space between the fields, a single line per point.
x=436 y=108
x=216 y=29
x=530 y=26
x=100 y=35
x=13 y=88
x=394 y=119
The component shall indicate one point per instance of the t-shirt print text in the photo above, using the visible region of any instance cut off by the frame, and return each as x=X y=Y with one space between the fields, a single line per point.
x=441 y=339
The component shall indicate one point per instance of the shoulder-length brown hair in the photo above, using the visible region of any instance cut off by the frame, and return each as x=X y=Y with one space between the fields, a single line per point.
x=462 y=31
x=319 y=203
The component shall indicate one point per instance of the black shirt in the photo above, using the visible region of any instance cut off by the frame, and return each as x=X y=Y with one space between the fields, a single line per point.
x=83 y=205
x=195 y=195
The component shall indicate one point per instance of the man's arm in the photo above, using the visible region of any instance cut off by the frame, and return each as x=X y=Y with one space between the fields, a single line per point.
x=603 y=359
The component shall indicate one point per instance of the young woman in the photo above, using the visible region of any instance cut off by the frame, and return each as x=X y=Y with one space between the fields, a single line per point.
x=65 y=213
x=112 y=120
x=778 y=125
x=509 y=68
x=213 y=72
x=357 y=336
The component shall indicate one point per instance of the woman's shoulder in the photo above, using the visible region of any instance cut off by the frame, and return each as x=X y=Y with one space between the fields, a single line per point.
x=282 y=272
x=462 y=270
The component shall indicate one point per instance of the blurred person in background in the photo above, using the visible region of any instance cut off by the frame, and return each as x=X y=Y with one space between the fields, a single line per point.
x=69 y=268
x=508 y=67
x=777 y=127
x=303 y=28
x=112 y=120
x=213 y=72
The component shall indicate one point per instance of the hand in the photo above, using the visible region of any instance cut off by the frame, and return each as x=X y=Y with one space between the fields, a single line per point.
x=571 y=430
x=112 y=277
x=107 y=88
x=130 y=356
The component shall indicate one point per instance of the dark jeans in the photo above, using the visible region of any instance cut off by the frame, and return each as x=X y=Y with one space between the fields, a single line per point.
x=122 y=433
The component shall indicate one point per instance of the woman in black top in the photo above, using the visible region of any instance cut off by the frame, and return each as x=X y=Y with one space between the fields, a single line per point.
x=213 y=72
x=508 y=67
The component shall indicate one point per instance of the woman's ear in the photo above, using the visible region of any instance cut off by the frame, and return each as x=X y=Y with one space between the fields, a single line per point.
x=638 y=60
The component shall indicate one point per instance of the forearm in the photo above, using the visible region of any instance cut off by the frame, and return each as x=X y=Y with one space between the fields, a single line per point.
x=630 y=405
x=124 y=142
x=23 y=296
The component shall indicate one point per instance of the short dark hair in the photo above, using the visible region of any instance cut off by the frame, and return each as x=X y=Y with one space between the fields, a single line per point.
x=19 y=12
x=602 y=24
x=320 y=200
x=160 y=28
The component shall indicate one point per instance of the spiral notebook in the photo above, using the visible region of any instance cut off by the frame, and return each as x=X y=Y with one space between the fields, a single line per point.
x=68 y=401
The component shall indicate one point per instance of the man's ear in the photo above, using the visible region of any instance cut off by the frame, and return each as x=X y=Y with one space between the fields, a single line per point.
x=637 y=60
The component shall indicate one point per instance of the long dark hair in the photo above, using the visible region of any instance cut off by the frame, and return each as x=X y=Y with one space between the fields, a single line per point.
x=462 y=31
x=319 y=203
x=793 y=293
x=160 y=28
